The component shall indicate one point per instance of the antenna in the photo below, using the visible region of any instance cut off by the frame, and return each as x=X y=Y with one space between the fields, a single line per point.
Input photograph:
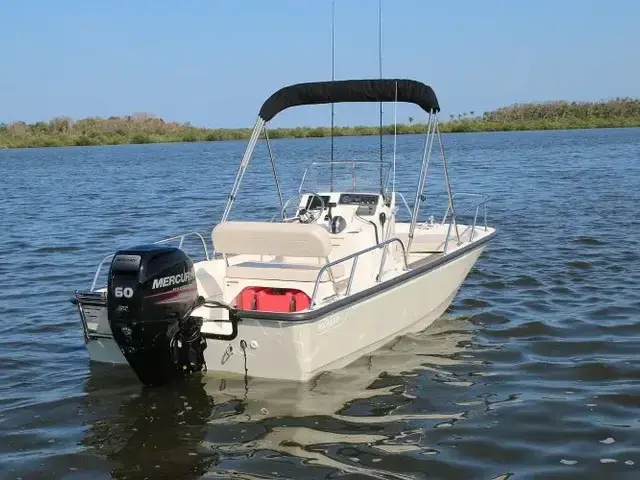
x=395 y=136
x=380 y=71
x=333 y=77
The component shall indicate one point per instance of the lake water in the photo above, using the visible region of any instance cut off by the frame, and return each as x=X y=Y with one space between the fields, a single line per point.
x=534 y=372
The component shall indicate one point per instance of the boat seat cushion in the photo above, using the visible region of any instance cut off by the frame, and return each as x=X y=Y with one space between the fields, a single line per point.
x=282 y=271
x=271 y=238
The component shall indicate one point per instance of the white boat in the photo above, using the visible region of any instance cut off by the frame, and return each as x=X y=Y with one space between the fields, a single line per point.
x=333 y=276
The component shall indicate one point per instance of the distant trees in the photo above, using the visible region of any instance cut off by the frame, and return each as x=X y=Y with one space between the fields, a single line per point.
x=616 y=112
x=557 y=110
x=144 y=127
x=60 y=125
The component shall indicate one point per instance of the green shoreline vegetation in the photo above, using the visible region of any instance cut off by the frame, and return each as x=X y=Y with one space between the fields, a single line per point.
x=146 y=128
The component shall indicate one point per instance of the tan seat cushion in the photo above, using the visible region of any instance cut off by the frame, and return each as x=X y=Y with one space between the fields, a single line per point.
x=282 y=271
x=265 y=238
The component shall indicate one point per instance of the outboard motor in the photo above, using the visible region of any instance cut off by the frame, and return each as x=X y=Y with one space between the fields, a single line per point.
x=151 y=293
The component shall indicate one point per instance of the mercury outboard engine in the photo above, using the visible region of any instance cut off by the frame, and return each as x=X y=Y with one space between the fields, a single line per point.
x=151 y=293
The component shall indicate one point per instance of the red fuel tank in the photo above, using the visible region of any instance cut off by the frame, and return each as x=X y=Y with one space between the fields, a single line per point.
x=272 y=299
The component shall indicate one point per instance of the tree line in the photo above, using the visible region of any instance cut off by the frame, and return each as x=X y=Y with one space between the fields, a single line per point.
x=148 y=128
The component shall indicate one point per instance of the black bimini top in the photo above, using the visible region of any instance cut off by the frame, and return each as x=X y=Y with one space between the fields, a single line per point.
x=346 y=91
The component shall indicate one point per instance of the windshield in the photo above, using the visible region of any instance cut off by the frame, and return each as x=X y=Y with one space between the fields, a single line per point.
x=345 y=176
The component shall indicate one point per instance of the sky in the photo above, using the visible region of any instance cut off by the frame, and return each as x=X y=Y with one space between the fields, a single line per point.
x=213 y=63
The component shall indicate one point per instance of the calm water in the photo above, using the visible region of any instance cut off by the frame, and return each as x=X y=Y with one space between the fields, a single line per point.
x=533 y=372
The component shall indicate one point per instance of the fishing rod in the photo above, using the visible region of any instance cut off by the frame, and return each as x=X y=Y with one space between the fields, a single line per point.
x=380 y=73
x=333 y=76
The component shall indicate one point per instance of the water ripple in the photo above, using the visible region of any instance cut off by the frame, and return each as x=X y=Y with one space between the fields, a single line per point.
x=532 y=373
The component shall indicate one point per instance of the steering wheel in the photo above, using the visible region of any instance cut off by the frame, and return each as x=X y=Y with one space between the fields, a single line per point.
x=303 y=215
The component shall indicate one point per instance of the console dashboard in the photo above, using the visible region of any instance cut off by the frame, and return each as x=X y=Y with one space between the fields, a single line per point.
x=358 y=199
x=367 y=203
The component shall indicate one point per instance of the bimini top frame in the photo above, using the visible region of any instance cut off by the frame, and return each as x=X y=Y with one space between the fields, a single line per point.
x=349 y=91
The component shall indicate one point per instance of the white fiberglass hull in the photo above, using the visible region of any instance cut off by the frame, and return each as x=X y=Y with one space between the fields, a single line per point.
x=300 y=350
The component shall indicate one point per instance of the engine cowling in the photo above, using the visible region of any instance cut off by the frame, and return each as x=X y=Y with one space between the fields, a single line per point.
x=152 y=291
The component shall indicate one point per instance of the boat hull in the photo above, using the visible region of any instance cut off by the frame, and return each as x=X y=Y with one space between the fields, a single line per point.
x=300 y=350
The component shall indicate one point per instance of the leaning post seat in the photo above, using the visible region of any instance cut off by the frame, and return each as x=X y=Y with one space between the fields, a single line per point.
x=310 y=244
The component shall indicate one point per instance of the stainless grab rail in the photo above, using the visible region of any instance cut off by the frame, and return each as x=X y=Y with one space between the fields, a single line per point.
x=454 y=219
x=355 y=256
x=97 y=274
x=404 y=200
x=464 y=194
x=181 y=237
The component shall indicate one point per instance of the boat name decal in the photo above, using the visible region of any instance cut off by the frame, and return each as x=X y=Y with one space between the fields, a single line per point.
x=328 y=323
x=178 y=279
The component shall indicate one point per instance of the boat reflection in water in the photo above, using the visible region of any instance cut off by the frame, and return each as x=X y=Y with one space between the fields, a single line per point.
x=209 y=424
x=152 y=433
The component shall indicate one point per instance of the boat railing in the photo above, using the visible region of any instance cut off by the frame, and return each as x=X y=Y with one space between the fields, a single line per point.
x=355 y=256
x=109 y=257
x=98 y=270
x=477 y=208
x=404 y=202
x=183 y=236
